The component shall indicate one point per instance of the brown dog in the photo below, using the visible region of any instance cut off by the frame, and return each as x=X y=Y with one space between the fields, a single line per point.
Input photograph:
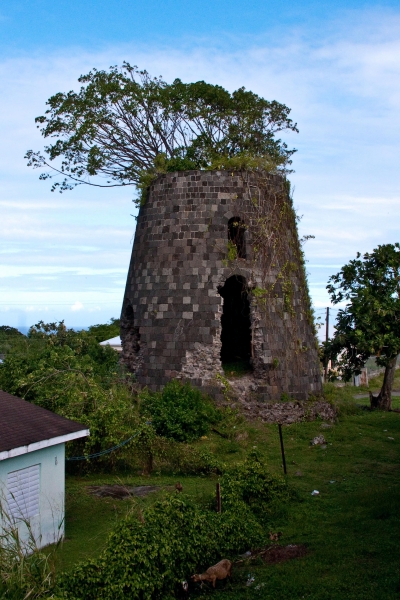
x=221 y=570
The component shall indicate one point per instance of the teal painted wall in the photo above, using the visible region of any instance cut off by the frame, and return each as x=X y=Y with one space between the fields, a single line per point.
x=48 y=525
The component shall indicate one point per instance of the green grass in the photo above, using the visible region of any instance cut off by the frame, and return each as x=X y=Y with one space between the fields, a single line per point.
x=352 y=529
x=348 y=392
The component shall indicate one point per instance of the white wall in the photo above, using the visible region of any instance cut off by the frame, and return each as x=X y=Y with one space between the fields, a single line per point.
x=48 y=525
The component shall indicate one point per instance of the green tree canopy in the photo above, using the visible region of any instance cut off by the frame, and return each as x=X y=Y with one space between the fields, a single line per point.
x=369 y=325
x=124 y=125
x=8 y=335
x=69 y=373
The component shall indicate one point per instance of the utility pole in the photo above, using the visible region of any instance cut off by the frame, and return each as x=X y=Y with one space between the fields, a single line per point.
x=326 y=339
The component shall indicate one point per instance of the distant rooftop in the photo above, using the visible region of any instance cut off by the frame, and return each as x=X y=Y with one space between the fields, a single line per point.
x=114 y=342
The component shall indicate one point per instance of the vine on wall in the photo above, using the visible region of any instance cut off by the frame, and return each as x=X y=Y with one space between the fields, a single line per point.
x=274 y=267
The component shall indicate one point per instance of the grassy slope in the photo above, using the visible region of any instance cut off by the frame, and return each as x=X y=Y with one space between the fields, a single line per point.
x=351 y=529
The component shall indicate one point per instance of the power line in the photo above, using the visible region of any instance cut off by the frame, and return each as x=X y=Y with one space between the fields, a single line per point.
x=103 y=452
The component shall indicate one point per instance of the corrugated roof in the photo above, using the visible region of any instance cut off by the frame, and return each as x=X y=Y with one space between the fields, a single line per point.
x=23 y=423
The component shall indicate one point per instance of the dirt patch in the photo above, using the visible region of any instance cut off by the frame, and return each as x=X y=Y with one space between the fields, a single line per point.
x=121 y=491
x=277 y=554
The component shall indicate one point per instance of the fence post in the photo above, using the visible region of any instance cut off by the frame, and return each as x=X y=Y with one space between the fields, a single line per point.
x=282 y=448
x=218 y=497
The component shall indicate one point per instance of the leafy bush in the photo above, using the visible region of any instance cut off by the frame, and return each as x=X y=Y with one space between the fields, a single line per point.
x=152 y=452
x=179 y=412
x=250 y=483
x=146 y=558
x=187 y=460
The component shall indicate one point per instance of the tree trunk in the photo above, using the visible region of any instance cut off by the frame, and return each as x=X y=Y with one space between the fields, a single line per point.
x=383 y=400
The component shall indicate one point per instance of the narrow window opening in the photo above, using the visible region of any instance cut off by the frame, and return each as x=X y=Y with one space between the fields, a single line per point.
x=236 y=326
x=131 y=335
x=236 y=231
x=129 y=313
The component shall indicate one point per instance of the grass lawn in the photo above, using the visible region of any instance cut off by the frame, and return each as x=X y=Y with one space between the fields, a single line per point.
x=351 y=529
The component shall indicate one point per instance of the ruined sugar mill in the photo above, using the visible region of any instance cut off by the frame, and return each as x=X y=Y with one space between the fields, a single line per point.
x=217 y=280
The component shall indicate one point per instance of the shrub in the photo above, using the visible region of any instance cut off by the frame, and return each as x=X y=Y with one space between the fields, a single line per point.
x=147 y=558
x=179 y=412
x=250 y=483
x=185 y=459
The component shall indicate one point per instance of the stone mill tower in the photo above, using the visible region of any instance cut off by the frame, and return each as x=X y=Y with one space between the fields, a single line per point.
x=216 y=280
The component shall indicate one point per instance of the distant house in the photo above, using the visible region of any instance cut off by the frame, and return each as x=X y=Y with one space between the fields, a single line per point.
x=32 y=468
x=114 y=342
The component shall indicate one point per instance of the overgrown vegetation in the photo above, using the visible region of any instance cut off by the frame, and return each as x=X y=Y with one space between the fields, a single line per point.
x=128 y=127
x=144 y=547
x=148 y=558
x=25 y=570
x=179 y=412
x=350 y=529
x=69 y=373
x=8 y=337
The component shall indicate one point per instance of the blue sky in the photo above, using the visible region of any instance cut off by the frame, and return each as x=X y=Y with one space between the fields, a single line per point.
x=336 y=64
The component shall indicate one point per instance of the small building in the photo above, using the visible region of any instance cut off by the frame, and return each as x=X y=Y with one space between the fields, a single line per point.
x=114 y=343
x=32 y=469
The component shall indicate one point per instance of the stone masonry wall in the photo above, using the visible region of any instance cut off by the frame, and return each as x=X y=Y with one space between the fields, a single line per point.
x=171 y=316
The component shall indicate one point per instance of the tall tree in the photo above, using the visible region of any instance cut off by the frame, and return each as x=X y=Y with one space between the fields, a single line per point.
x=369 y=325
x=124 y=125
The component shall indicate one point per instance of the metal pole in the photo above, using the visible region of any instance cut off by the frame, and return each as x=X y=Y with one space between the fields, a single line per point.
x=326 y=339
x=282 y=448
x=218 y=497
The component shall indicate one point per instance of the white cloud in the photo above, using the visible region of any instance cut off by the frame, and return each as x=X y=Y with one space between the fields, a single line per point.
x=77 y=306
x=22 y=270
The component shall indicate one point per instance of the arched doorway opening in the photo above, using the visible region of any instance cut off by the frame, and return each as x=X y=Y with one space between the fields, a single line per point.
x=236 y=325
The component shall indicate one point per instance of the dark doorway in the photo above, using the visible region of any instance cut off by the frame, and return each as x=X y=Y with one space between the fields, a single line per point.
x=235 y=321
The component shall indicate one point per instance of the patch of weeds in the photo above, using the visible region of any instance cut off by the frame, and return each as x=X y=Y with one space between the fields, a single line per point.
x=342 y=398
x=237 y=369
x=229 y=447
